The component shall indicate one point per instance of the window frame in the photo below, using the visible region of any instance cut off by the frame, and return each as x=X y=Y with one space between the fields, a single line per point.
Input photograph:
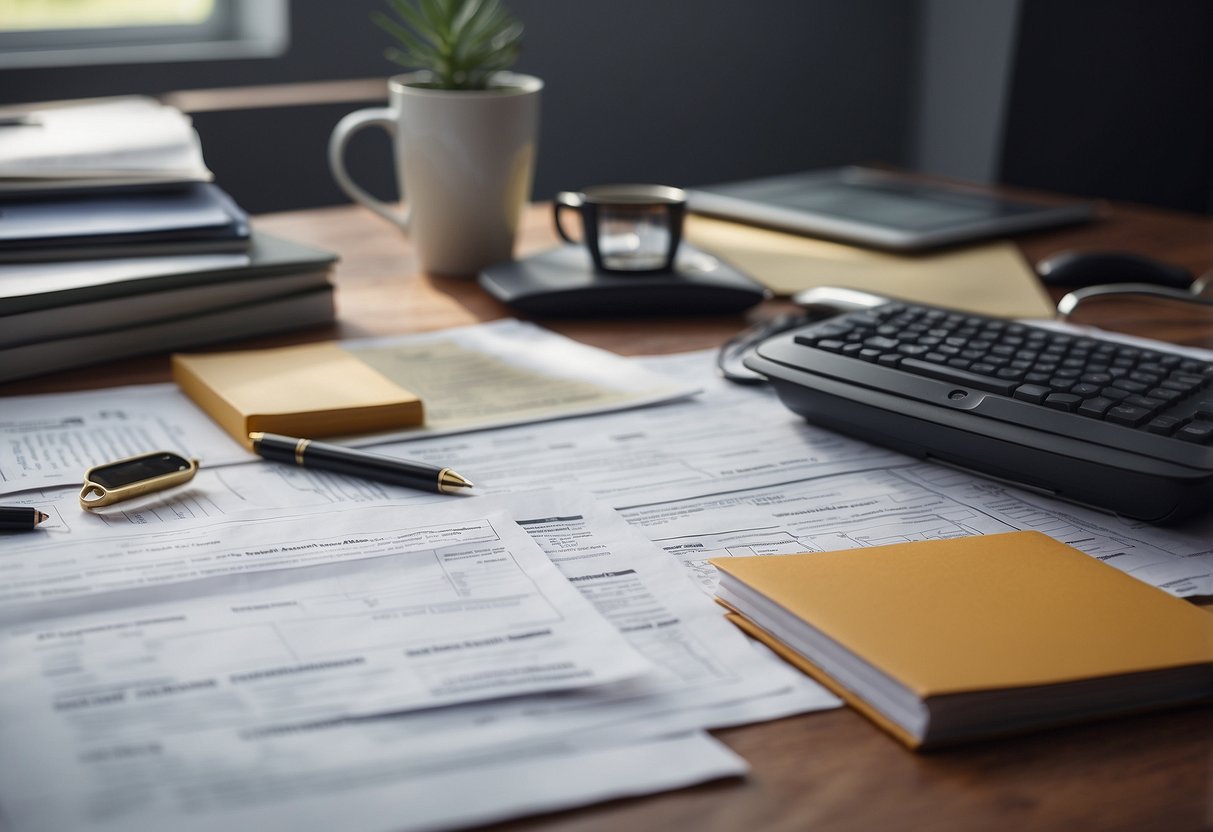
x=235 y=29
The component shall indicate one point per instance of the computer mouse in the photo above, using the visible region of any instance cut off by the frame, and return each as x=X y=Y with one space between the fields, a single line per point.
x=1091 y=268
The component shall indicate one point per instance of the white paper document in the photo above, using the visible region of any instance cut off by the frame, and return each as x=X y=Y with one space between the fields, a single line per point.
x=102 y=139
x=471 y=378
x=730 y=443
x=698 y=658
x=51 y=440
x=90 y=698
x=461 y=607
x=360 y=776
x=278 y=647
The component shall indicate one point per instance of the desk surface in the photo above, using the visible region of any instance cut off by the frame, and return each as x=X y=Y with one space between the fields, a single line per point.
x=830 y=770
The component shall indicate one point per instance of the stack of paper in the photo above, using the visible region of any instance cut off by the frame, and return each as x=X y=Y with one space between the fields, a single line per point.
x=111 y=142
x=288 y=648
x=121 y=632
x=114 y=194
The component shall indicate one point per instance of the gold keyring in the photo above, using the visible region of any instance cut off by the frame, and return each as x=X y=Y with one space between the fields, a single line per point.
x=95 y=495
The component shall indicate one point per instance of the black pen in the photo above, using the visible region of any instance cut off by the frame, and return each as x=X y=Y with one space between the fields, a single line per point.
x=20 y=518
x=339 y=460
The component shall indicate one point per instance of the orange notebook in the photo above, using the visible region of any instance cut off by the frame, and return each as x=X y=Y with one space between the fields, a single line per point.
x=309 y=391
x=945 y=641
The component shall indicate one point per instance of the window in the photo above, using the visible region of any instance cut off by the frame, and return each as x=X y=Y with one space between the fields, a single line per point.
x=72 y=32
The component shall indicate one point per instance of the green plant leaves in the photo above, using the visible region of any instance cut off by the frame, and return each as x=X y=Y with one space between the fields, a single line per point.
x=460 y=42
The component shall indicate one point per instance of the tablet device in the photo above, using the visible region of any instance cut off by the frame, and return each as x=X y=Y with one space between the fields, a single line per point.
x=880 y=208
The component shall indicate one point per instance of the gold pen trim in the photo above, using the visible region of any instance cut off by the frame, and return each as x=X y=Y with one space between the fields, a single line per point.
x=300 y=447
x=449 y=482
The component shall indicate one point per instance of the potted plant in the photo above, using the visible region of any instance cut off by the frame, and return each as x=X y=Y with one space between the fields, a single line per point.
x=464 y=127
x=463 y=44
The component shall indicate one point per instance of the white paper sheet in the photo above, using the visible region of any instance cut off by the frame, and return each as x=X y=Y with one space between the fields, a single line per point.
x=358 y=776
x=487 y=375
x=703 y=661
x=458 y=607
x=112 y=751
x=726 y=442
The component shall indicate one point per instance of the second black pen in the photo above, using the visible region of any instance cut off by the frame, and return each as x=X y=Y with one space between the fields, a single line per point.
x=340 y=460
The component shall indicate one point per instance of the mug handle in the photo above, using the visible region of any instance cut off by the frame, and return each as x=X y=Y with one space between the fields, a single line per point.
x=565 y=199
x=383 y=117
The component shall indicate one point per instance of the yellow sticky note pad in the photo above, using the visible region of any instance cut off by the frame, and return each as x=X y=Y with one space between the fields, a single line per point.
x=313 y=390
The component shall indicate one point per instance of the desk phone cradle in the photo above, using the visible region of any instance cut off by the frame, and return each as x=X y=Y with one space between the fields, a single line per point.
x=1089 y=420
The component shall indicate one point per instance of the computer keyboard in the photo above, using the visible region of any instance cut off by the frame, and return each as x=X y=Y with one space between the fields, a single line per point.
x=1094 y=421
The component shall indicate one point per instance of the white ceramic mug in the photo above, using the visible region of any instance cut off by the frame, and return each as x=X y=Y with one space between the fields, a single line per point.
x=465 y=161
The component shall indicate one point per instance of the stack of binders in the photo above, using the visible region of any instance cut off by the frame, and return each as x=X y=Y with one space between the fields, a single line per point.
x=114 y=242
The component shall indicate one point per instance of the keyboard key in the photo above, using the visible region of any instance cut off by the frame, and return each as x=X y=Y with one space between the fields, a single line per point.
x=1164 y=394
x=1095 y=408
x=889 y=359
x=883 y=344
x=1085 y=390
x=965 y=378
x=1182 y=383
x=1200 y=432
x=1063 y=401
x=1032 y=393
x=1164 y=425
x=1144 y=401
x=1127 y=414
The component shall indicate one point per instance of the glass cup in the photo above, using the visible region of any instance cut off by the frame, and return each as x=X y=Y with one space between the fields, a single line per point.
x=630 y=229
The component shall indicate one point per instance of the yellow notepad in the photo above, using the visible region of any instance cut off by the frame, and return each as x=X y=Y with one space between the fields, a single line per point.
x=944 y=641
x=309 y=391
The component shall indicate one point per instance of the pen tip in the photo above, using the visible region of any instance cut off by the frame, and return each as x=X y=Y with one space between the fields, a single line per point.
x=40 y=517
x=449 y=481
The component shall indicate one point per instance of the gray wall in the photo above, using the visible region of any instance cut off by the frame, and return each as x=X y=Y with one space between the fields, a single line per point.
x=664 y=90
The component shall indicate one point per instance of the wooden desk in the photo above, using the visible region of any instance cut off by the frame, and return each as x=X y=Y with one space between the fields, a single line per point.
x=822 y=771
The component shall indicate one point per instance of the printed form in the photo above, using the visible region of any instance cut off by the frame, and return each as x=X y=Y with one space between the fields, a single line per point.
x=730 y=473
x=470 y=378
x=380 y=614
x=718 y=464
x=113 y=749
